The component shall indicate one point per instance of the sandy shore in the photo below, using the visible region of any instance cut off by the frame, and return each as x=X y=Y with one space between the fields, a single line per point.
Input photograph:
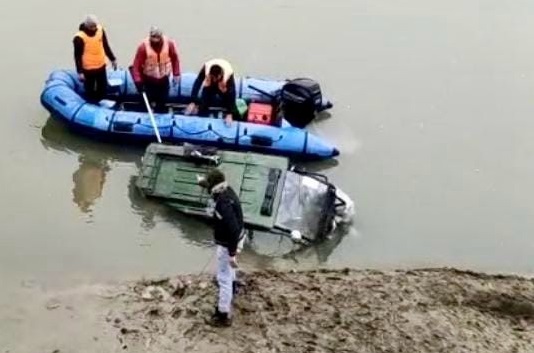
x=434 y=310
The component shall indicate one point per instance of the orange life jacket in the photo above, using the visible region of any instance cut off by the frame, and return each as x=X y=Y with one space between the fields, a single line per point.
x=94 y=55
x=157 y=65
x=227 y=72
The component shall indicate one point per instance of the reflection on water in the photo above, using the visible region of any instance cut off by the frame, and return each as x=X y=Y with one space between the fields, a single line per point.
x=94 y=161
x=141 y=206
x=88 y=181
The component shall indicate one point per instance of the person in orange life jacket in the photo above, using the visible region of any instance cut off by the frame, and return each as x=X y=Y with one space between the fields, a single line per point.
x=155 y=61
x=91 y=48
x=217 y=79
x=228 y=233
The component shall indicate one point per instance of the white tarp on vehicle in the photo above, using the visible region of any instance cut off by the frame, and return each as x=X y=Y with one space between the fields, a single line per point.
x=302 y=204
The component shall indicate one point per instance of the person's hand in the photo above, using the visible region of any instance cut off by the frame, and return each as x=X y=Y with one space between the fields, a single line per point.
x=176 y=80
x=81 y=76
x=114 y=64
x=228 y=119
x=191 y=109
x=233 y=261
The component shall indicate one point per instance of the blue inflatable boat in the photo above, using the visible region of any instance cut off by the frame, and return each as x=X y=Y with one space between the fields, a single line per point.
x=63 y=94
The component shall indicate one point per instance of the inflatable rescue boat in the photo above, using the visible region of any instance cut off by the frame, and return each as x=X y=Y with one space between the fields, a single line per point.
x=274 y=115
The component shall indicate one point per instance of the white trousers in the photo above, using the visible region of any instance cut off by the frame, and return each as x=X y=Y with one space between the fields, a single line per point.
x=225 y=278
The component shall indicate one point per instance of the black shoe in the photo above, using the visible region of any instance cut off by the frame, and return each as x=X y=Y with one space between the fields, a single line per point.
x=219 y=319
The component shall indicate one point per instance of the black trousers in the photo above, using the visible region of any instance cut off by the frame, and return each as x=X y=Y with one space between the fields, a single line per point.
x=157 y=92
x=96 y=83
x=209 y=99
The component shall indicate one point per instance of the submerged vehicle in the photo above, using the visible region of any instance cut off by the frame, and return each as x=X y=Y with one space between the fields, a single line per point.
x=275 y=197
x=274 y=113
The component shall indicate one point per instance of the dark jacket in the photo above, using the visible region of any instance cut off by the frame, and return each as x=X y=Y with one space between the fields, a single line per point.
x=200 y=80
x=79 y=47
x=229 y=96
x=228 y=218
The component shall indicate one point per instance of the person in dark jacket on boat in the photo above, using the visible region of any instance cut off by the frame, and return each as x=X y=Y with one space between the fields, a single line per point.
x=91 y=48
x=216 y=77
x=228 y=233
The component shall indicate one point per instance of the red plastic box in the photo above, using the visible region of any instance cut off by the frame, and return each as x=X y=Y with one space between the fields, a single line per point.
x=259 y=113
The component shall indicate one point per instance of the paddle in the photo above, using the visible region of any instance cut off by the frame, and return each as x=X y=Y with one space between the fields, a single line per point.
x=151 y=117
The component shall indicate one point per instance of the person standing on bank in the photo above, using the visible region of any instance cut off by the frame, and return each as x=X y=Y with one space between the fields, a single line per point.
x=155 y=61
x=216 y=77
x=91 y=48
x=228 y=233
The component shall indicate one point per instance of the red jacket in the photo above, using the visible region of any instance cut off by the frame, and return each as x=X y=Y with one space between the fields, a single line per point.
x=140 y=57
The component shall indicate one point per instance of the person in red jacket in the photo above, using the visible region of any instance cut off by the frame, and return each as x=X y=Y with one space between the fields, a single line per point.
x=155 y=61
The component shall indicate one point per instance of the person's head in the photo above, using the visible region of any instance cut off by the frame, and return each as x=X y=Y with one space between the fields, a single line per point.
x=213 y=178
x=216 y=73
x=90 y=23
x=156 y=37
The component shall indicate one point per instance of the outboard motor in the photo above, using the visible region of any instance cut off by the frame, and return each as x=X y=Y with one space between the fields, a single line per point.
x=300 y=99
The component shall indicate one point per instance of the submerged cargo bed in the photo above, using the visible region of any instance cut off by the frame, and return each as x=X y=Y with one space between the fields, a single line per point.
x=274 y=196
x=258 y=180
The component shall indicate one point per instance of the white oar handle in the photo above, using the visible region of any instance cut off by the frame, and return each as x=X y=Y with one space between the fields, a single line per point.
x=151 y=117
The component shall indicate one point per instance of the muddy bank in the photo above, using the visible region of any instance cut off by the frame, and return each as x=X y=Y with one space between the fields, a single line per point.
x=434 y=310
x=332 y=311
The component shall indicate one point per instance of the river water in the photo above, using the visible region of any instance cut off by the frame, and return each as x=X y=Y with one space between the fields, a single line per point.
x=433 y=117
